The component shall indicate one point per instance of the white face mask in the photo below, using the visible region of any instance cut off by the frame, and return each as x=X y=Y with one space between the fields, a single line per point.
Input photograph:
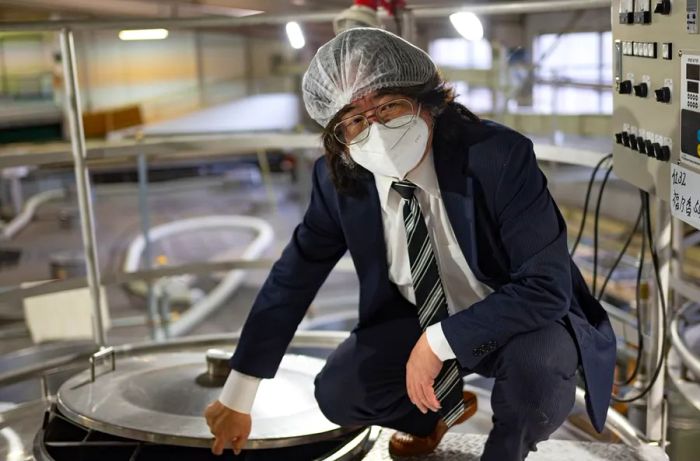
x=392 y=151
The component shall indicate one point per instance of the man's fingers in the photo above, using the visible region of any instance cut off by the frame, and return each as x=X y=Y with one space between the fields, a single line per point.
x=432 y=398
x=423 y=397
x=218 y=446
x=238 y=444
x=429 y=396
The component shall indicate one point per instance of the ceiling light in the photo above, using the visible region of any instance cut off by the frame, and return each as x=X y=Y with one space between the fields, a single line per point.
x=143 y=34
x=468 y=25
x=295 y=35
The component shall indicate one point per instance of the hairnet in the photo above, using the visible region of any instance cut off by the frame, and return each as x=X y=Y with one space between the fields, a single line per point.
x=357 y=62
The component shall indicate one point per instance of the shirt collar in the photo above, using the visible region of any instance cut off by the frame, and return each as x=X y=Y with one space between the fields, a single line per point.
x=423 y=176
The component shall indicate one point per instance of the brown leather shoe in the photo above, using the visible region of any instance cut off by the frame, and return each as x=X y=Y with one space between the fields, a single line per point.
x=402 y=444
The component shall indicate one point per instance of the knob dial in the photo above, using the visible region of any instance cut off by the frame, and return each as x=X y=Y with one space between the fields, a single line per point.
x=663 y=7
x=663 y=94
x=641 y=90
x=626 y=87
x=641 y=146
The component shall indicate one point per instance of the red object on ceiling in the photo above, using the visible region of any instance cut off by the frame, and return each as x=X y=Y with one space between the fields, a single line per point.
x=390 y=5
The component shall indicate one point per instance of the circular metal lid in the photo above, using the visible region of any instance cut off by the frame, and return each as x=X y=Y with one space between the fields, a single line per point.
x=161 y=398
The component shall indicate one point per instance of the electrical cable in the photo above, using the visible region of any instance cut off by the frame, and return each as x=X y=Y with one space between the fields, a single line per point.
x=664 y=347
x=638 y=311
x=622 y=252
x=596 y=219
x=585 y=206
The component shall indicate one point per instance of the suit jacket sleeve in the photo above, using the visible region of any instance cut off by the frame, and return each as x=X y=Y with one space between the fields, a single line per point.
x=533 y=235
x=316 y=246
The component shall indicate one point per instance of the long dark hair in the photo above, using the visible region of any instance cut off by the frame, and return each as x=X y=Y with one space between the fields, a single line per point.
x=435 y=95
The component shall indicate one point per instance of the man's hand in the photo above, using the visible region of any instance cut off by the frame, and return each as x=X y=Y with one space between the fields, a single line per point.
x=227 y=426
x=421 y=369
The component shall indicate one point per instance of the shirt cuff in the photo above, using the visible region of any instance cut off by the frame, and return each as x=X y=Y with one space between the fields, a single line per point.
x=438 y=343
x=239 y=391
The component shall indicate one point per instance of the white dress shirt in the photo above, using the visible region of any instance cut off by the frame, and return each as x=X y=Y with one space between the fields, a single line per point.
x=462 y=289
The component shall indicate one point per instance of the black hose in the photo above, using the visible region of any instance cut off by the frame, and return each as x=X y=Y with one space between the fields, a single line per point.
x=596 y=218
x=585 y=206
x=622 y=252
x=638 y=311
x=664 y=348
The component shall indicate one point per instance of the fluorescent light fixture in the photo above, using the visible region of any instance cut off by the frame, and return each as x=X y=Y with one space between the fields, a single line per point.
x=295 y=35
x=143 y=34
x=468 y=25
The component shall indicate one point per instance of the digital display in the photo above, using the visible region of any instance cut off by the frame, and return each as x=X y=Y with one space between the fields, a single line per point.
x=692 y=87
x=692 y=71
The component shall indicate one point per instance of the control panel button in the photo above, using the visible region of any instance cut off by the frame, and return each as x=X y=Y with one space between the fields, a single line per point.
x=641 y=146
x=663 y=94
x=667 y=51
x=618 y=138
x=657 y=150
x=641 y=90
x=626 y=87
x=665 y=154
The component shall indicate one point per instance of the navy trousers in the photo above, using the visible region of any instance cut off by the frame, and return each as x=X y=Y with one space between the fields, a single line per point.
x=364 y=383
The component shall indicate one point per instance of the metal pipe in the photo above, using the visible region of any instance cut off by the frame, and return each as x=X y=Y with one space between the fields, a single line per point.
x=421 y=11
x=491 y=9
x=686 y=355
x=655 y=398
x=82 y=181
x=147 y=256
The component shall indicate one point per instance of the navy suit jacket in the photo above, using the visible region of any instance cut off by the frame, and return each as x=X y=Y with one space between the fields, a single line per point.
x=512 y=236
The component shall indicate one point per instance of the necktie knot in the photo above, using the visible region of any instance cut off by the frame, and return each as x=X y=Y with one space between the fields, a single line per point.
x=404 y=188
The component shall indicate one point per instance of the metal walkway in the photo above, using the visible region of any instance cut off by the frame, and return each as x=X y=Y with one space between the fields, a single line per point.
x=468 y=447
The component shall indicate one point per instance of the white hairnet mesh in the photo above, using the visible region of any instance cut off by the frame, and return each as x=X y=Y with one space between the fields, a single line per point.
x=357 y=62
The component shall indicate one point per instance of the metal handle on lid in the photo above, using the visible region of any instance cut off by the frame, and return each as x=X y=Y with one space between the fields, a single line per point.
x=217 y=363
x=100 y=355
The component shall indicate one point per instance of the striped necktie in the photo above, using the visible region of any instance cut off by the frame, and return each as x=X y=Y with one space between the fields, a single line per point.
x=430 y=298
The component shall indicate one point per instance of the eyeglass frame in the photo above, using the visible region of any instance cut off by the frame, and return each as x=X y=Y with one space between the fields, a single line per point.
x=374 y=112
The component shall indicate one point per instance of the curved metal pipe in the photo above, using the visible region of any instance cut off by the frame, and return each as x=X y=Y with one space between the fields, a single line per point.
x=21 y=220
x=686 y=355
x=201 y=309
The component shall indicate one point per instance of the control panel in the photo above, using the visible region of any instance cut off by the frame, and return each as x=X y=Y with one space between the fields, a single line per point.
x=656 y=110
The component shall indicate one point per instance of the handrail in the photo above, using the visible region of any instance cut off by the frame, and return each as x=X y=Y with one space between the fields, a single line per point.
x=18 y=294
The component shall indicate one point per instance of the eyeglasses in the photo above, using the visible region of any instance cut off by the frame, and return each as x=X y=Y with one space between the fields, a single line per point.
x=354 y=129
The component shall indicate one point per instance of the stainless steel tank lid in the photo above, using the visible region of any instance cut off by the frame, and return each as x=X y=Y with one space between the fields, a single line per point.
x=161 y=398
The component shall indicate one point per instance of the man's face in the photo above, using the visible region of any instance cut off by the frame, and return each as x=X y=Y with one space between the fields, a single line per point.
x=366 y=105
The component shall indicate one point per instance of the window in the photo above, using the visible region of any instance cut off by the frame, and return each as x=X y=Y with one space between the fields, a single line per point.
x=463 y=54
x=573 y=73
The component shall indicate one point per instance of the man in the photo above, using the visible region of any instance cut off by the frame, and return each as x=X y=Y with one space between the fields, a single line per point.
x=462 y=259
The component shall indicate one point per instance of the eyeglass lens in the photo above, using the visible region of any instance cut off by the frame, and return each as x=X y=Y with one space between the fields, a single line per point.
x=350 y=130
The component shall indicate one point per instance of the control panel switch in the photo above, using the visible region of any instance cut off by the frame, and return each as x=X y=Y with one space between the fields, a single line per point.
x=641 y=146
x=663 y=7
x=665 y=154
x=618 y=138
x=626 y=87
x=658 y=153
x=633 y=142
x=649 y=147
x=641 y=90
x=663 y=94
x=625 y=139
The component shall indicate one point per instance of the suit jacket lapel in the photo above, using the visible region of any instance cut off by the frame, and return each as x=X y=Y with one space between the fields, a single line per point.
x=457 y=193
